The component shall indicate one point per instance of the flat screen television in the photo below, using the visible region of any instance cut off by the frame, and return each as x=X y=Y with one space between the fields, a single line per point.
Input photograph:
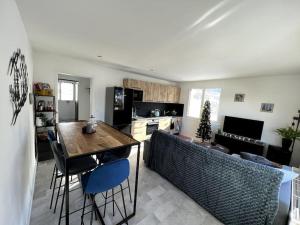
x=243 y=127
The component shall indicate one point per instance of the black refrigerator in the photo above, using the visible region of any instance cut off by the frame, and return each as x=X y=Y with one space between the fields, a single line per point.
x=118 y=108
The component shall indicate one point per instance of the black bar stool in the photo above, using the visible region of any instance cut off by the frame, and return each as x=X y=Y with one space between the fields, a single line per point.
x=77 y=166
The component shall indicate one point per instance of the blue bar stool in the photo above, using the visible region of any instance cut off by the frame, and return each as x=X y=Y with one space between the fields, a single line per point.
x=104 y=178
x=110 y=156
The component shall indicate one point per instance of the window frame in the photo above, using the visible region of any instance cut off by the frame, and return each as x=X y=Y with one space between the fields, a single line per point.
x=202 y=102
x=189 y=103
x=75 y=89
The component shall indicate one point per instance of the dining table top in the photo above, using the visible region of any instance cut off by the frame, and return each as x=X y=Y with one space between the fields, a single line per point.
x=78 y=144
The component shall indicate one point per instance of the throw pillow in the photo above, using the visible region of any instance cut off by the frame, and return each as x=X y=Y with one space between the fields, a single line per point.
x=258 y=159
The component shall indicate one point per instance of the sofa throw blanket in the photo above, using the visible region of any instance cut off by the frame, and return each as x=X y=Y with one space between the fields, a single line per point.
x=234 y=190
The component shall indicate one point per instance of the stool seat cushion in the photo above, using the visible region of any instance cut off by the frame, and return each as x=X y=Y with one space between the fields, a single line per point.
x=105 y=177
x=82 y=165
x=76 y=166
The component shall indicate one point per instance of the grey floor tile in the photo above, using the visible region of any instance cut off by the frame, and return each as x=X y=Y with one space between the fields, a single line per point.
x=159 y=202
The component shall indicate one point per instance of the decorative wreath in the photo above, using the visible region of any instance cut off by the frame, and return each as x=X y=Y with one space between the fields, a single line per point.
x=19 y=89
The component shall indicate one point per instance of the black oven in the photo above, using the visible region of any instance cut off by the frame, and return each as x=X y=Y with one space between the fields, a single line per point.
x=152 y=126
x=137 y=95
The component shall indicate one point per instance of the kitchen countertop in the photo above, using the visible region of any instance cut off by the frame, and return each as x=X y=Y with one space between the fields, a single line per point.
x=153 y=117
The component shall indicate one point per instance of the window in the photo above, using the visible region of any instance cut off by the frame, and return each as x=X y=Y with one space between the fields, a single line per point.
x=195 y=103
x=213 y=96
x=67 y=90
x=197 y=98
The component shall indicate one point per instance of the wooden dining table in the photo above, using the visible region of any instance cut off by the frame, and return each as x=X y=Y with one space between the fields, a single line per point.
x=76 y=144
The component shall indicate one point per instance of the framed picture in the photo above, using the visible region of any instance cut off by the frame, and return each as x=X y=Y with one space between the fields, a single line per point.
x=239 y=97
x=267 y=107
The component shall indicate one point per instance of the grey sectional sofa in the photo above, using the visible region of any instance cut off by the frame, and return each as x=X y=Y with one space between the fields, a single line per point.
x=235 y=191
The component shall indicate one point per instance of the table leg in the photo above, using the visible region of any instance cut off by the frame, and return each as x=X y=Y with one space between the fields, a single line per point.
x=136 y=178
x=135 y=188
x=67 y=191
x=135 y=194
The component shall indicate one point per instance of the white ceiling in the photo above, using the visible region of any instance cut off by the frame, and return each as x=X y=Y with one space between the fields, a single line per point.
x=181 y=40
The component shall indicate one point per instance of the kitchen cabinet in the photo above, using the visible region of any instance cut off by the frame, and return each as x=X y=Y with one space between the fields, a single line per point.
x=138 y=129
x=171 y=93
x=177 y=95
x=164 y=124
x=147 y=93
x=163 y=93
x=155 y=95
x=154 y=92
x=133 y=84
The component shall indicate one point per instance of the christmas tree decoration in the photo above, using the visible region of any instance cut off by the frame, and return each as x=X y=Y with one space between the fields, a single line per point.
x=204 y=130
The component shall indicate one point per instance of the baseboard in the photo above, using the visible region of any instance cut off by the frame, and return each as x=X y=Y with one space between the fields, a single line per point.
x=31 y=192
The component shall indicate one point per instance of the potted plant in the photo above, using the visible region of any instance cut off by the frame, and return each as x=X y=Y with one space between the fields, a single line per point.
x=288 y=135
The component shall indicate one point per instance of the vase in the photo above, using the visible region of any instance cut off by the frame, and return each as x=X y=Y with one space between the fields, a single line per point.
x=286 y=143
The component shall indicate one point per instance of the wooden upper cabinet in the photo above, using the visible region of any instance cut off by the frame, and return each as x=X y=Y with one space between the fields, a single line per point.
x=147 y=95
x=126 y=83
x=171 y=93
x=154 y=92
x=133 y=84
x=177 y=95
x=163 y=93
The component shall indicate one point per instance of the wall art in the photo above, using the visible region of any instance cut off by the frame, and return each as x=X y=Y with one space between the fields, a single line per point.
x=18 y=89
x=267 y=107
x=239 y=97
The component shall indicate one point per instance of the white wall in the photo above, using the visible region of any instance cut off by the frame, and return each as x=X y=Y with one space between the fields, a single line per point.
x=47 y=66
x=83 y=95
x=17 y=164
x=283 y=91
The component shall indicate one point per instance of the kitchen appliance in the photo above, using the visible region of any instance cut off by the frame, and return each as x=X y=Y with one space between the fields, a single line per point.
x=152 y=125
x=137 y=95
x=173 y=113
x=118 y=110
x=156 y=112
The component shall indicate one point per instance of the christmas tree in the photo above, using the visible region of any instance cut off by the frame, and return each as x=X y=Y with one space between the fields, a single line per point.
x=204 y=130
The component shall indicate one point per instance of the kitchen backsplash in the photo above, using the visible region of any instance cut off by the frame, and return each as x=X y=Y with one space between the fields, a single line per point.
x=144 y=108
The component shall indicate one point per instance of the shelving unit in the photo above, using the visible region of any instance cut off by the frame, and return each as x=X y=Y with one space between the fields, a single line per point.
x=44 y=120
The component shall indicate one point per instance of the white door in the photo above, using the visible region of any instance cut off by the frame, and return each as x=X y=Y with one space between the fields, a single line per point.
x=67 y=100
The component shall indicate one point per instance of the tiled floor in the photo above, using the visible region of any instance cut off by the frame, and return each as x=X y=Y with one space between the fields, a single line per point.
x=159 y=202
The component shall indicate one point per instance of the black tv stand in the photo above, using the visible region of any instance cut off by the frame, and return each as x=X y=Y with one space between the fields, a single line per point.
x=238 y=144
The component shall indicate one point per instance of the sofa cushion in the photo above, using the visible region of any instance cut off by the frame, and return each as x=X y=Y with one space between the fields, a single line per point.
x=258 y=159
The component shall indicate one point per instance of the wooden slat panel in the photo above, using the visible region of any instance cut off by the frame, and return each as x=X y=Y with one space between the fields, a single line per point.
x=105 y=138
